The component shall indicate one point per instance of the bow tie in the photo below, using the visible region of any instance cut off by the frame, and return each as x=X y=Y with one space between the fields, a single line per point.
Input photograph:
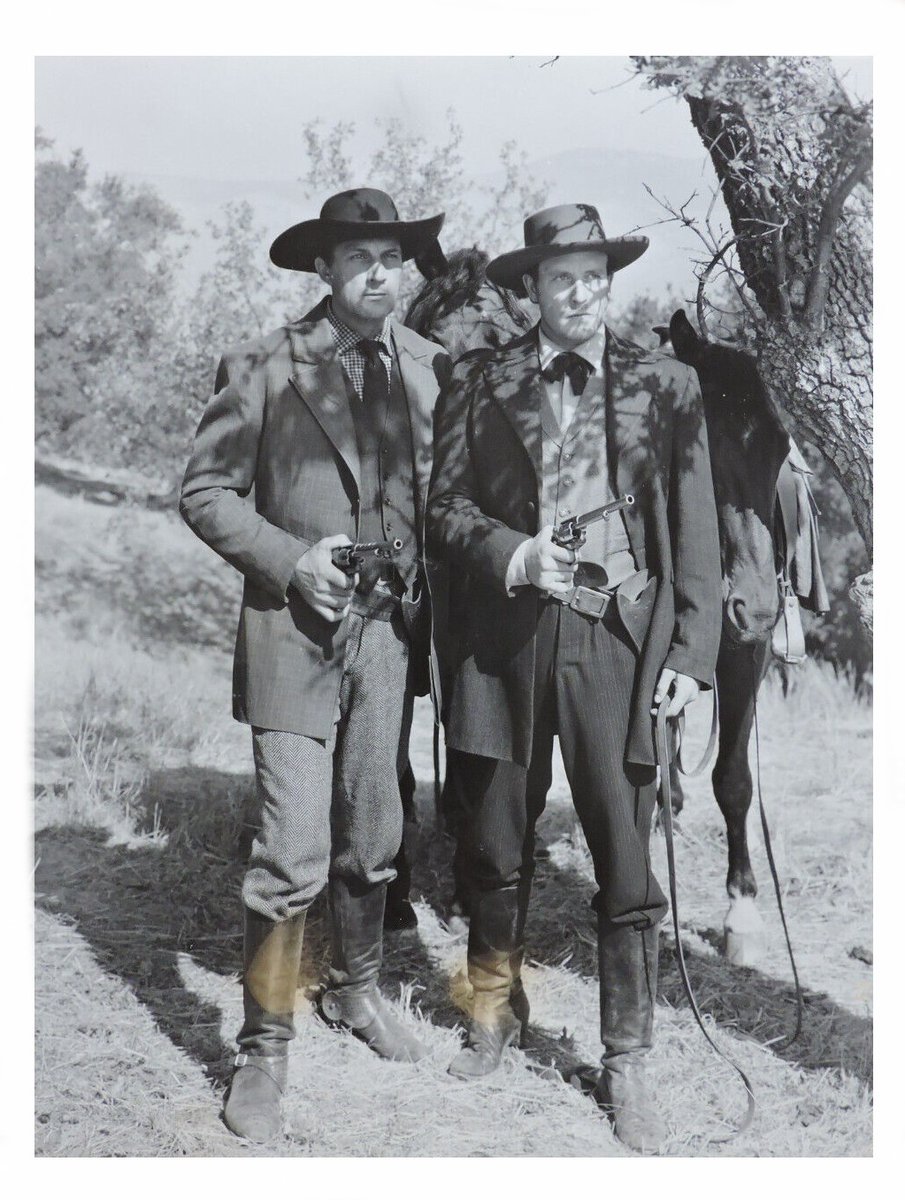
x=569 y=363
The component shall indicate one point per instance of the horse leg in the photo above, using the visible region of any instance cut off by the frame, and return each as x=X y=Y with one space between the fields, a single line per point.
x=739 y=671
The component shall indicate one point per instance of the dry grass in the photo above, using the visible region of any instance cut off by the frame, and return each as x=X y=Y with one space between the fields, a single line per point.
x=138 y=943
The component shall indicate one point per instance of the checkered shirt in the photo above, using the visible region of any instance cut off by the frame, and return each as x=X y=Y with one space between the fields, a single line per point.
x=351 y=356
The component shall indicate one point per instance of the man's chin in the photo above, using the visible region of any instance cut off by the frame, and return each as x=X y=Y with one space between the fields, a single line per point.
x=376 y=309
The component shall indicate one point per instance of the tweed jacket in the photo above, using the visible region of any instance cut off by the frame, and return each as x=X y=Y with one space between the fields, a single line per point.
x=484 y=500
x=274 y=468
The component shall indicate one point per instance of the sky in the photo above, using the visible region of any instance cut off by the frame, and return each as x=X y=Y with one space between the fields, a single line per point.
x=205 y=130
x=226 y=118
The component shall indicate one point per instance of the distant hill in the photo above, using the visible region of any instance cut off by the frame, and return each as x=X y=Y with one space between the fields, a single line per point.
x=612 y=179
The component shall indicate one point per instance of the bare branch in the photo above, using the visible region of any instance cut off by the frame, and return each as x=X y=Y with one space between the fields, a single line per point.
x=819 y=281
x=702 y=284
x=551 y=61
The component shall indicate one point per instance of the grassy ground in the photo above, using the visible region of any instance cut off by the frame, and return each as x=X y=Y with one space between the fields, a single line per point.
x=143 y=786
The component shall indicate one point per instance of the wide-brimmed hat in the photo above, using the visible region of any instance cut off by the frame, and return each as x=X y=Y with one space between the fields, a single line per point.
x=562 y=229
x=362 y=212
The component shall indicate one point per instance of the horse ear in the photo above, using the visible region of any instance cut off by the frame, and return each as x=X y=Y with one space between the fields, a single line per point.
x=685 y=341
x=431 y=262
x=662 y=332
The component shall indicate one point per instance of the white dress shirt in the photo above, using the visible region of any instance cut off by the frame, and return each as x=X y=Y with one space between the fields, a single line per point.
x=564 y=402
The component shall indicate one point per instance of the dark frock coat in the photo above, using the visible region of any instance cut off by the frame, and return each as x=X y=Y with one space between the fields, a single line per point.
x=275 y=468
x=484 y=499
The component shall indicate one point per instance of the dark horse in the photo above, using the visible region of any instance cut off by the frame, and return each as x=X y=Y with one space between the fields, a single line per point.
x=748 y=446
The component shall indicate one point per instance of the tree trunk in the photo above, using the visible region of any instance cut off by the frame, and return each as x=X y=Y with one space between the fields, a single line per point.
x=791 y=155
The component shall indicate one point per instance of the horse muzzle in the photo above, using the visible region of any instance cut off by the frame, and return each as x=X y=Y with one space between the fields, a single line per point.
x=747 y=624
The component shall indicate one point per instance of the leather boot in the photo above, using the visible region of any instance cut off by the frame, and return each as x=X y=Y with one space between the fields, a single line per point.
x=493 y=956
x=272 y=955
x=628 y=987
x=353 y=1000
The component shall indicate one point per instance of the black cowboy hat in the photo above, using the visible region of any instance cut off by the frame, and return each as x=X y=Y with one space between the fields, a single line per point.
x=560 y=230
x=362 y=212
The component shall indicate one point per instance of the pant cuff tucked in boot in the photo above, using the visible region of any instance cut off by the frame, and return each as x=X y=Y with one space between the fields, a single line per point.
x=272 y=954
x=353 y=999
x=628 y=986
x=500 y=1013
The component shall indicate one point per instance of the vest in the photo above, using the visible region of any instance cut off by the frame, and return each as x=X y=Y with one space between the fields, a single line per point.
x=576 y=478
x=387 y=475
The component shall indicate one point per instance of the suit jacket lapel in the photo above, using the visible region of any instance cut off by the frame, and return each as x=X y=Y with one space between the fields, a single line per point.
x=628 y=398
x=514 y=379
x=317 y=376
x=419 y=383
x=630 y=454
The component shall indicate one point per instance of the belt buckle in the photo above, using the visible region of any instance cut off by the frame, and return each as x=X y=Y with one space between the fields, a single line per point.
x=590 y=601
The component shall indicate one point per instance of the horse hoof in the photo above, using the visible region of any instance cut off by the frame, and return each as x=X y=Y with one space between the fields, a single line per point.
x=744 y=940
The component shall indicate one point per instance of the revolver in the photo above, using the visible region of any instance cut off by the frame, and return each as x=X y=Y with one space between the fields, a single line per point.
x=352 y=558
x=570 y=534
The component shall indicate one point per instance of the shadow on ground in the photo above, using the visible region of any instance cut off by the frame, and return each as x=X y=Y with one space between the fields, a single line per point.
x=138 y=908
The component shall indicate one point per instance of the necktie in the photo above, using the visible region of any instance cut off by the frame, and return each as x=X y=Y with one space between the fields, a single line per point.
x=569 y=363
x=372 y=418
x=375 y=388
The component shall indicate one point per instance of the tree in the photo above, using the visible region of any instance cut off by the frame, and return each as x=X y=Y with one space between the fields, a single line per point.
x=124 y=362
x=106 y=257
x=792 y=154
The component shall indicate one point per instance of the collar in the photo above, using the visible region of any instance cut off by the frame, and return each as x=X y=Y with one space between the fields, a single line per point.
x=347 y=339
x=592 y=350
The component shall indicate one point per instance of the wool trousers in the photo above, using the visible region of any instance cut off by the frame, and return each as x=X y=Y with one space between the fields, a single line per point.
x=583 y=684
x=332 y=807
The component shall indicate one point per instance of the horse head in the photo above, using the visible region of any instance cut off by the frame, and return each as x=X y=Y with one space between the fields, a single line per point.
x=460 y=308
x=748 y=444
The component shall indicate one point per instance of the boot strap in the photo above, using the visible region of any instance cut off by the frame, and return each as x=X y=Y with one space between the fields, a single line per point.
x=268 y=1064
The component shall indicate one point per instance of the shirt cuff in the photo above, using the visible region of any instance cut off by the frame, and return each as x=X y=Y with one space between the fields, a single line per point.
x=516 y=575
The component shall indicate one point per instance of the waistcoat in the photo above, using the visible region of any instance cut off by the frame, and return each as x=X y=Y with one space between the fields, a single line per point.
x=576 y=478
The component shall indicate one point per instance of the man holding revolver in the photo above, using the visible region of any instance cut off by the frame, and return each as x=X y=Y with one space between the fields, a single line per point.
x=546 y=639
x=318 y=435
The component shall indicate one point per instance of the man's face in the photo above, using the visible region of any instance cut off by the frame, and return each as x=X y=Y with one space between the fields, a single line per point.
x=365 y=276
x=572 y=292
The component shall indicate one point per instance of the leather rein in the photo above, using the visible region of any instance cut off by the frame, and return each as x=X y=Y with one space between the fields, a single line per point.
x=664 y=757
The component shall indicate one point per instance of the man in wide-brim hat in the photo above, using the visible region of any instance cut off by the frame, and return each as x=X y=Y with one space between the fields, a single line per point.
x=327 y=422
x=545 y=640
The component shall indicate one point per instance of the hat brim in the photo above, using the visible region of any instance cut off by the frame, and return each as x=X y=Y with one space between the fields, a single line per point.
x=507 y=270
x=297 y=247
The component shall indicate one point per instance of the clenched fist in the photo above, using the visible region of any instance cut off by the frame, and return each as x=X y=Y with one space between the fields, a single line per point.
x=548 y=566
x=325 y=587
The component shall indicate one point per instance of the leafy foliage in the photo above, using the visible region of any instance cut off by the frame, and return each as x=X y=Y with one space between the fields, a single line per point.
x=106 y=256
x=123 y=364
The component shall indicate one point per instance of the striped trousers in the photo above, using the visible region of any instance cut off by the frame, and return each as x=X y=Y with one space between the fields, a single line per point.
x=583 y=683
